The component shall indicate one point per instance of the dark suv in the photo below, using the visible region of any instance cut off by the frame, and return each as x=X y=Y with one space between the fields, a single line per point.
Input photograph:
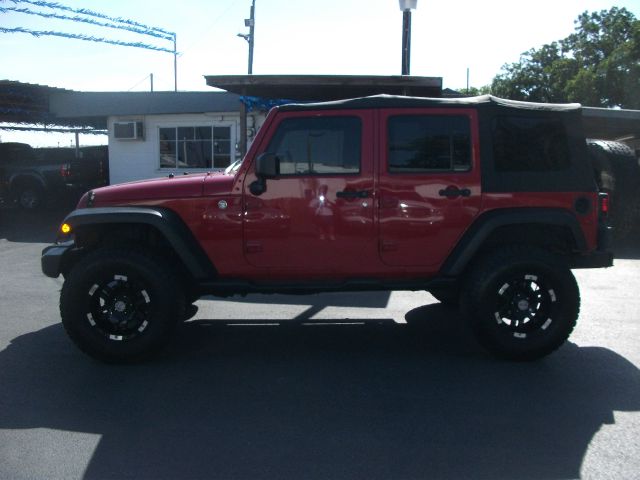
x=27 y=178
x=34 y=177
x=486 y=203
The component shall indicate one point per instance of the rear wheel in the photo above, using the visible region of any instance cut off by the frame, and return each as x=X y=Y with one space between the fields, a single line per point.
x=120 y=305
x=30 y=197
x=522 y=303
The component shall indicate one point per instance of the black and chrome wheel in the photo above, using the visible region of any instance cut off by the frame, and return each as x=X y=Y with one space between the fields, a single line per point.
x=120 y=305
x=522 y=303
x=525 y=304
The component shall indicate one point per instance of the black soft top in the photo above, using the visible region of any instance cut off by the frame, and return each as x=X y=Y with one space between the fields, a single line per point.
x=553 y=121
x=394 y=101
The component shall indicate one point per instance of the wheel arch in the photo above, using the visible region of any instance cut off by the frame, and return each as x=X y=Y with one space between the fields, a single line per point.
x=109 y=224
x=21 y=179
x=553 y=227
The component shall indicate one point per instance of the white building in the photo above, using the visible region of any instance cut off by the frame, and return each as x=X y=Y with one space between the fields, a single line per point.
x=156 y=133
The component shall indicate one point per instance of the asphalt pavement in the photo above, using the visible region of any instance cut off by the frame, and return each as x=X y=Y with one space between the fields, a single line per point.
x=337 y=386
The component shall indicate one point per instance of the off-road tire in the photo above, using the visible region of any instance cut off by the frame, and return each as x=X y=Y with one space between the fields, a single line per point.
x=121 y=305
x=521 y=302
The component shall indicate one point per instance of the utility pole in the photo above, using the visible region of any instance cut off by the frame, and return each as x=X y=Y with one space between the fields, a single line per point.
x=175 y=64
x=467 y=80
x=250 y=37
x=252 y=25
x=406 y=6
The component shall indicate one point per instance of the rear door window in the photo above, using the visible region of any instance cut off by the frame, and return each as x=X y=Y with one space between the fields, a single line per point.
x=429 y=143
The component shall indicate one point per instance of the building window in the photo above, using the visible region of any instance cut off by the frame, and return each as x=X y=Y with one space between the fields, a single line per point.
x=429 y=143
x=318 y=146
x=195 y=147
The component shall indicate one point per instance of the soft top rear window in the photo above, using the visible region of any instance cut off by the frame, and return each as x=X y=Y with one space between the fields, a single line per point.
x=529 y=144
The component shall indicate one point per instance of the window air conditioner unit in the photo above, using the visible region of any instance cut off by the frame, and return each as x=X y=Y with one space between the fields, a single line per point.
x=128 y=130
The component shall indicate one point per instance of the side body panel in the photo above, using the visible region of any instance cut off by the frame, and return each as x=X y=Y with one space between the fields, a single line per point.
x=419 y=225
x=313 y=225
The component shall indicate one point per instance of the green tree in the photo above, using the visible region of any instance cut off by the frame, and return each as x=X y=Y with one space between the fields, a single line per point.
x=597 y=65
x=475 y=91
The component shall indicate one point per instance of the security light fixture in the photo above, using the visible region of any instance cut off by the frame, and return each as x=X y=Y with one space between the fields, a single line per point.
x=408 y=4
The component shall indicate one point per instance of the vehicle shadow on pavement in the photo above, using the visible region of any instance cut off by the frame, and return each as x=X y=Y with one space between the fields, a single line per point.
x=24 y=226
x=627 y=251
x=379 y=400
x=316 y=303
x=627 y=247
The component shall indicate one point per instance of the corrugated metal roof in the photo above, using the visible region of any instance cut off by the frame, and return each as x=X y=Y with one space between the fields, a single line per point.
x=40 y=104
x=25 y=102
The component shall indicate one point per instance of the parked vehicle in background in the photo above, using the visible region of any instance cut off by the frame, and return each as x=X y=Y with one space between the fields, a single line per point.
x=89 y=169
x=486 y=203
x=27 y=178
x=34 y=177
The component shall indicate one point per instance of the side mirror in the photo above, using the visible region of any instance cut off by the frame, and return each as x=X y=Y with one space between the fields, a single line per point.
x=267 y=165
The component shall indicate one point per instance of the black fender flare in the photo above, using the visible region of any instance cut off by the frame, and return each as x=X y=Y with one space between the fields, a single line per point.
x=488 y=222
x=26 y=178
x=167 y=222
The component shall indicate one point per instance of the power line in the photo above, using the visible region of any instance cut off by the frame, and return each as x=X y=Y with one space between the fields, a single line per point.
x=140 y=82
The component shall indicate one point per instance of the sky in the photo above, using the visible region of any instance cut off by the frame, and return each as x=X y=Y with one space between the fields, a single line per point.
x=349 y=37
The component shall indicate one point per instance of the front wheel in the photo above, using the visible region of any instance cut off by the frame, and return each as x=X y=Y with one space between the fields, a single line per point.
x=522 y=303
x=120 y=305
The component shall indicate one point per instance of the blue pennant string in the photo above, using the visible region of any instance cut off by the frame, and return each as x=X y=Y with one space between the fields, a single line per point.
x=88 y=20
x=91 y=13
x=87 y=38
x=264 y=104
x=15 y=110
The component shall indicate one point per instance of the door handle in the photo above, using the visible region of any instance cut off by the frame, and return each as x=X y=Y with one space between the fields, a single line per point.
x=352 y=194
x=452 y=192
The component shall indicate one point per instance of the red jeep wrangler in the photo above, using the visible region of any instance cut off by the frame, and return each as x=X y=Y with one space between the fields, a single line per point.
x=483 y=202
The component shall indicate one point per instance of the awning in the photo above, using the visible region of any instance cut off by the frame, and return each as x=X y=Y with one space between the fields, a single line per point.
x=325 y=87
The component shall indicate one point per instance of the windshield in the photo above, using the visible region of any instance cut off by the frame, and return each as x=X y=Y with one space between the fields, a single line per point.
x=233 y=168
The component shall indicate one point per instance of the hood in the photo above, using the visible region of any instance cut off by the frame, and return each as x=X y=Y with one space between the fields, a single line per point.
x=178 y=186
